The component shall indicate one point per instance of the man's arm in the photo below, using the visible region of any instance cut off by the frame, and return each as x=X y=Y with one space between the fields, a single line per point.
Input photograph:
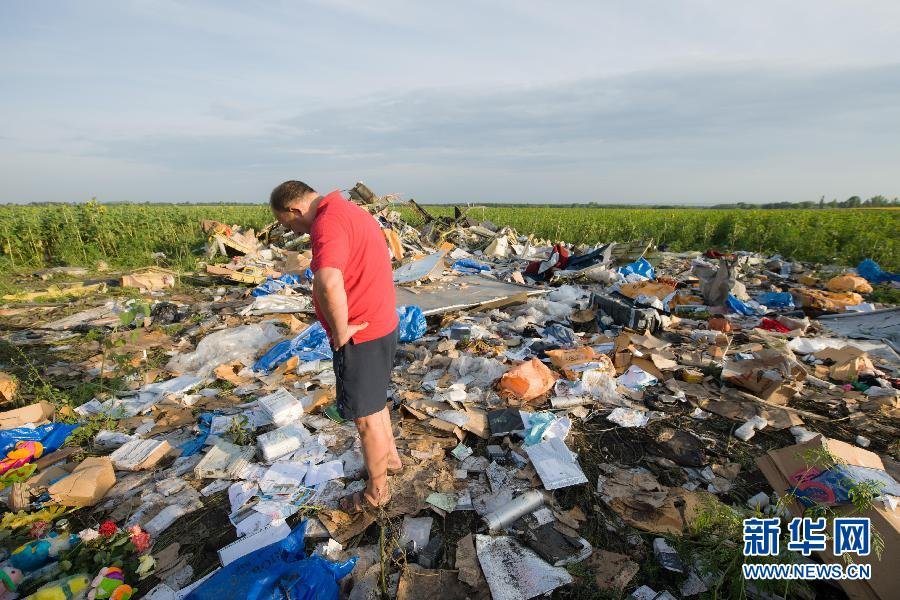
x=331 y=297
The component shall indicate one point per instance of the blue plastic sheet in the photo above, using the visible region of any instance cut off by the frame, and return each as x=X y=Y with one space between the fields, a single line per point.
x=52 y=436
x=739 y=307
x=279 y=571
x=272 y=285
x=191 y=447
x=412 y=323
x=310 y=344
x=776 y=299
x=471 y=267
x=640 y=267
x=871 y=271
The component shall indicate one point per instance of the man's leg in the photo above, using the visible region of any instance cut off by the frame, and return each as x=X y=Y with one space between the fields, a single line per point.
x=377 y=442
x=393 y=461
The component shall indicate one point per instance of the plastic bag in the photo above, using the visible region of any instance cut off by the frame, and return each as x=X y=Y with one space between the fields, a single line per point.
x=482 y=371
x=279 y=571
x=310 y=344
x=873 y=273
x=528 y=380
x=469 y=266
x=716 y=282
x=412 y=323
x=641 y=267
x=227 y=345
x=776 y=299
x=567 y=294
x=272 y=285
x=51 y=436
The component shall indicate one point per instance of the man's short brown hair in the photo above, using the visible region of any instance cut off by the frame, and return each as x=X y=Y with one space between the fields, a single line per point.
x=286 y=193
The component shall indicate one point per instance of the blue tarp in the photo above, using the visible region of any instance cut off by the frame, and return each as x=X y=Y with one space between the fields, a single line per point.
x=272 y=285
x=739 y=307
x=412 y=323
x=776 y=299
x=471 y=267
x=640 y=267
x=52 y=436
x=871 y=271
x=280 y=571
x=191 y=447
x=310 y=344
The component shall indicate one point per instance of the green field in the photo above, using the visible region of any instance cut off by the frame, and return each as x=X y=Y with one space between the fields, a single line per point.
x=126 y=235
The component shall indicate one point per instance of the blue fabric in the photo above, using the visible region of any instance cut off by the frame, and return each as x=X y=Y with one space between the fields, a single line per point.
x=471 y=267
x=871 y=271
x=272 y=285
x=640 y=267
x=279 y=571
x=739 y=307
x=52 y=436
x=776 y=299
x=310 y=344
x=191 y=447
x=412 y=323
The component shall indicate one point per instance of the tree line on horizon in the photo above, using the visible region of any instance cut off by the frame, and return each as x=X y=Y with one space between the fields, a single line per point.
x=851 y=202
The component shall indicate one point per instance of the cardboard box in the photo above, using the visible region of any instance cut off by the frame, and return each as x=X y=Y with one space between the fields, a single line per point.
x=779 y=465
x=87 y=485
x=771 y=376
x=296 y=262
x=38 y=413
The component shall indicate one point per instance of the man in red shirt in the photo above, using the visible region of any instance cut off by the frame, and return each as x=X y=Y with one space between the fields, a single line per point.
x=353 y=294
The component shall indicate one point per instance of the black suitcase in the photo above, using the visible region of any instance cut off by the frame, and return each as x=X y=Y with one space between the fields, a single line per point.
x=624 y=313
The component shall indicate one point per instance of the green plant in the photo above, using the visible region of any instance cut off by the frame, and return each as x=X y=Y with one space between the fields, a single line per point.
x=240 y=432
x=84 y=436
x=715 y=545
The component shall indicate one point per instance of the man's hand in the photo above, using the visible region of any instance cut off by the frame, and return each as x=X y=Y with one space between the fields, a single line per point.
x=343 y=337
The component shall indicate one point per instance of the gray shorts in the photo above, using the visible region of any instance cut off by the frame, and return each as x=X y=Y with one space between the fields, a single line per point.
x=363 y=374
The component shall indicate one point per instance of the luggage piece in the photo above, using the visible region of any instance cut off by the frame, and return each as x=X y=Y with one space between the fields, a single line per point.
x=624 y=313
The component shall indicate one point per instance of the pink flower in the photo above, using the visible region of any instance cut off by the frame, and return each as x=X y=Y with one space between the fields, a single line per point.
x=108 y=529
x=140 y=539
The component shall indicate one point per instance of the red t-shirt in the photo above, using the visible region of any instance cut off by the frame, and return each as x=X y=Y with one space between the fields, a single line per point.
x=346 y=237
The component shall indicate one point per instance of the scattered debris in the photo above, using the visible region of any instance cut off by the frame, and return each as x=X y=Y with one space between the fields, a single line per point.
x=201 y=416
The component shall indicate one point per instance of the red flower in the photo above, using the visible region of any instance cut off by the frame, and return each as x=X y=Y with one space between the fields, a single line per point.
x=108 y=529
x=38 y=529
x=140 y=539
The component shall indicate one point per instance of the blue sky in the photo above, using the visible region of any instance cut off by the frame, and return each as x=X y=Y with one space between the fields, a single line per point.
x=692 y=102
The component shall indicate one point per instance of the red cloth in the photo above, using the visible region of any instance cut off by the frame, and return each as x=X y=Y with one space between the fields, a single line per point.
x=772 y=325
x=562 y=255
x=346 y=237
